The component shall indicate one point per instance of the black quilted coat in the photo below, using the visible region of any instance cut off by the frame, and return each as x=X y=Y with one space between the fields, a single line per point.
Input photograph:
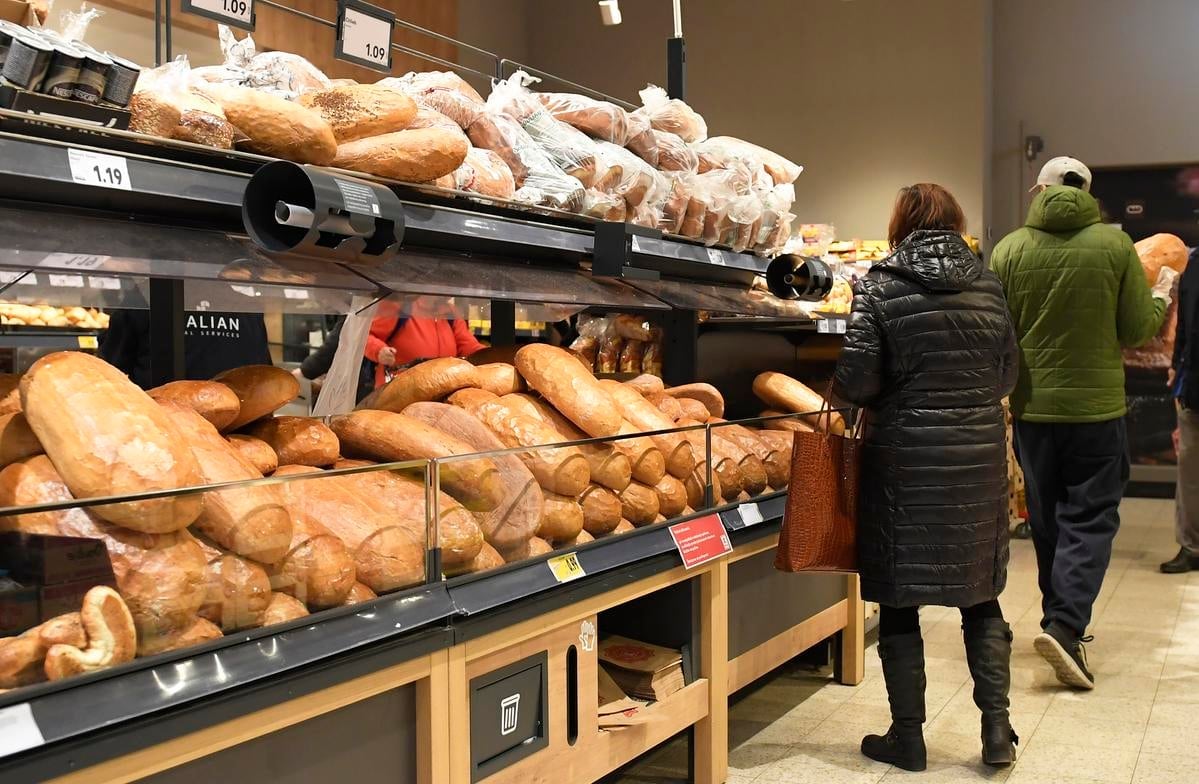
x=930 y=353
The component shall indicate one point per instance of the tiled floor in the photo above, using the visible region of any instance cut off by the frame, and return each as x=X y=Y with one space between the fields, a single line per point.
x=1139 y=726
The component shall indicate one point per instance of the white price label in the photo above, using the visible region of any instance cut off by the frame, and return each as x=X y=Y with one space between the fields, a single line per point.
x=18 y=729
x=366 y=37
x=19 y=278
x=238 y=12
x=751 y=514
x=716 y=257
x=66 y=281
x=248 y=291
x=295 y=293
x=108 y=284
x=98 y=169
x=73 y=261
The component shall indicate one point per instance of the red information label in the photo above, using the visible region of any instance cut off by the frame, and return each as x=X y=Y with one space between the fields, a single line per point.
x=700 y=540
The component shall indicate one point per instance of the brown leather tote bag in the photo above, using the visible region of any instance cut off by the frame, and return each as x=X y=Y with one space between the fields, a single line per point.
x=820 y=522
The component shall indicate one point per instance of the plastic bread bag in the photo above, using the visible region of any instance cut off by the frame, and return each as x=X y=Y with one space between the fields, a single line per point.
x=647 y=214
x=642 y=141
x=591 y=331
x=638 y=182
x=427 y=117
x=674 y=201
x=74 y=24
x=236 y=55
x=651 y=360
x=600 y=119
x=670 y=114
x=674 y=154
x=714 y=153
x=604 y=206
x=570 y=149
x=537 y=179
x=775 y=226
x=610 y=345
x=165 y=105
x=285 y=74
x=632 y=356
x=443 y=91
x=632 y=327
x=744 y=216
x=485 y=173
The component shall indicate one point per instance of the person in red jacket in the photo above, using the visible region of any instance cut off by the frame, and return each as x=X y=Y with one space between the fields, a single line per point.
x=400 y=336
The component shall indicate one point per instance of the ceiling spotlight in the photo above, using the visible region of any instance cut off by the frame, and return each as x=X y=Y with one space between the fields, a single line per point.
x=610 y=11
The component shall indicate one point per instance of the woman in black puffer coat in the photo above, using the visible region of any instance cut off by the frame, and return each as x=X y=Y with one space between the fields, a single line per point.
x=930 y=353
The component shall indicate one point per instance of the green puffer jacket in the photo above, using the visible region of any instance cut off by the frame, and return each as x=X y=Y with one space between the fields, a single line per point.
x=1077 y=294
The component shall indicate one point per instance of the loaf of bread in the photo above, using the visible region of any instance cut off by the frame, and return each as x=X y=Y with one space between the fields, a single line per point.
x=201 y=630
x=778 y=467
x=484 y=172
x=530 y=548
x=647 y=385
x=518 y=517
x=431 y=118
x=668 y=406
x=111 y=637
x=696 y=485
x=275 y=126
x=298 y=440
x=602 y=510
x=382 y=435
x=487 y=559
x=792 y=425
x=625 y=527
x=283 y=608
x=724 y=467
x=753 y=470
x=648 y=464
x=500 y=378
x=184 y=115
x=786 y=394
x=690 y=408
x=355 y=111
x=580 y=540
x=607 y=465
x=783 y=443
x=435 y=379
x=210 y=399
x=237 y=590
x=410 y=156
x=261 y=390
x=358 y=594
x=317 y=569
x=672 y=497
x=387 y=556
x=23 y=658
x=10 y=392
x=645 y=416
x=106 y=437
x=17 y=440
x=559 y=377
x=642 y=141
x=256 y=452
x=444 y=91
x=600 y=119
x=160 y=576
x=249 y=521
x=639 y=504
x=706 y=394
x=562 y=519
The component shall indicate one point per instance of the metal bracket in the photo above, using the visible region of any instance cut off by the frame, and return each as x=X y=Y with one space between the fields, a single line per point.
x=612 y=253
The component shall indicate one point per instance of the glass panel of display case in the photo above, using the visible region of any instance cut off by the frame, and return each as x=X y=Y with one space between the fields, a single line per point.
x=715 y=298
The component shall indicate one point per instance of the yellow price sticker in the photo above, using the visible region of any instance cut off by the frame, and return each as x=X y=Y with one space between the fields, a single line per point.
x=566 y=567
x=88 y=341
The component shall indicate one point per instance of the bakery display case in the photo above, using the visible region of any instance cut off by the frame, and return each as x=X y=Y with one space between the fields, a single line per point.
x=266 y=580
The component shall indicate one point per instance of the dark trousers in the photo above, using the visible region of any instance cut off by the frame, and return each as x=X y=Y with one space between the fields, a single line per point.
x=1074 y=476
x=906 y=620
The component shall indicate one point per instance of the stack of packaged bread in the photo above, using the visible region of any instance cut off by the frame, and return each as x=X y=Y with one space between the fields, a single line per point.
x=619 y=344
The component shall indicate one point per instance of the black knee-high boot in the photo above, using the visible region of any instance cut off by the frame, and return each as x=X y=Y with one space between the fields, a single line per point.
x=989 y=654
x=903 y=671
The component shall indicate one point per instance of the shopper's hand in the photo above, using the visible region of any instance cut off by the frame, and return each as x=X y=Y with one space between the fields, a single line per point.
x=296 y=372
x=387 y=356
x=1165 y=284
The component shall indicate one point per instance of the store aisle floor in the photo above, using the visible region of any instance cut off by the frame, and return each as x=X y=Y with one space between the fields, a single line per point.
x=1137 y=727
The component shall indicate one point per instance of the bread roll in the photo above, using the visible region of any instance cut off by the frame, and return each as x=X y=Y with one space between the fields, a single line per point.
x=778 y=468
x=786 y=425
x=696 y=485
x=753 y=470
x=283 y=608
x=783 y=392
x=625 y=527
x=256 y=452
x=705 y=393
x=382 y=435
x=409 y=156
x=528 y=549
x=23 y=658
x=569 y=387
x=645 y=416
x=500 y=378
x=111 y=637
x=275 y=126
x=107 y=437
x=398 y=494
x=647 y=461
x=261 y=390
x=210 y=399
x=607 y=465
x=783 y=442
x=484 y=172
x=487 y=559
x=435 y=379
x=17 y=440
x=298 y=440
x=249 y=521
x=639 y=504
x=562 y=519
x=10 y=392
x=672 y=497
x=517 y=518
x=358 y=594
x=317 y=569
x=355 y=111
x=601 y=510
x=580 y=540
x=691 y=409
x=237 y=590
x=200 y=631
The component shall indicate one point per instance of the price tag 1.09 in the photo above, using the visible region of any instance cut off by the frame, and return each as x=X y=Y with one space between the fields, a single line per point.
x=566 y=567
x=237 y=13
x=364 y=34
x=98 y=169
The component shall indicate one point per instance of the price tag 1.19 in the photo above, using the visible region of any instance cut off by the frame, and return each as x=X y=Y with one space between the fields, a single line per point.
x=98 y=169
x=566 y=567
x=237 y=13
x=364 y=34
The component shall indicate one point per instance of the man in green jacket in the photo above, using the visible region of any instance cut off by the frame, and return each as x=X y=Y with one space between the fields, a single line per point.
x=1077 y=294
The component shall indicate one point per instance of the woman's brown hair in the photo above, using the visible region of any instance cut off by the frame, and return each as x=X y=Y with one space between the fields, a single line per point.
x=924 y=206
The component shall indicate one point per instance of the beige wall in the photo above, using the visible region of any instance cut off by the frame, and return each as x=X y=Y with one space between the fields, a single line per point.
x=1107 y=81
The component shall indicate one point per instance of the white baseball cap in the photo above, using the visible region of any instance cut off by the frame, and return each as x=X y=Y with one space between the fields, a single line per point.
x=1055 y=171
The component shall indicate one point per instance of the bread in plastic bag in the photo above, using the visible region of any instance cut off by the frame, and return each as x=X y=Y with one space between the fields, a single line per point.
x=632 y=356
x=591 y=331
x=642 y=142
x=674 y=154
x=670 y=114
x=607 y=360
x=538 y=180
x=281 y=73
x=600 y=119
x=651 y=359
x=431 y=118
x=484 y=172
x=638 y=182
x=442 y=91
x=570 y=149
x=604 y=206
x=718 y=151
x=674 y=201
x=165 y=105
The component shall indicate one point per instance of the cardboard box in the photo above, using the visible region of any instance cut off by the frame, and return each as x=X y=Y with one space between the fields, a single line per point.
x=17 y=12
x=18 y=609
x=66 y=597
x=35 y=559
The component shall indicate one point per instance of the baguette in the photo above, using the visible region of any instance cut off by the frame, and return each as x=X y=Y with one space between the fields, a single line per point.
x=668 y=406
x=160 y=576
x=725 y=468
x=647 y=461
x=432 y=380
x=690 y=408
x=355 y=111
x=562 y=380
x=753 y=470
x=275 y=126
x=528 y=549
x=249 y=521
x=111 y=637
x=17 y=440
x=210 y=399
x=500 y=378
x=260 y=390
x=642 y=414
x=317 y=569
x=387 y=556
x=476 y=483
x=672 y=497
x=608 y=465
x=777 y=468
x=358 y=594
x=487 y=559
x=389 y=493
x=784 y=443
x=647 y=384
x=107 y=437
x=697 y=483
x=639 y=504
x=601 y=510
x=562 y=519
x=419 y=155
x=517 y=518
x=786 y=425
x=256 y=452
x=298 y=440
x=283 y=608
x=707 y=394
x=785 y=393
x=237 y=591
